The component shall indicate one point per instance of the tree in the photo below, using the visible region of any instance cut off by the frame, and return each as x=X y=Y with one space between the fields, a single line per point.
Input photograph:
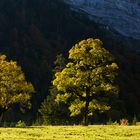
x=13 y=86
x=59 y=63
x=88 y=80
x=51 y=111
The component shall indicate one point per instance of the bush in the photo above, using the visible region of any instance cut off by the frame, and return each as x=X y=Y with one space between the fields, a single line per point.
x=5 y=124
x=20 y=124
x=110 y=122
x=124 y=122
x=12 y=124
x=137 y=123
x=115 y=123
x=134 y=120
x=36 y=123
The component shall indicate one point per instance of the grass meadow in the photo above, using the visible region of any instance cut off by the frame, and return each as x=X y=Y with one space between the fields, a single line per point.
x=97 y=132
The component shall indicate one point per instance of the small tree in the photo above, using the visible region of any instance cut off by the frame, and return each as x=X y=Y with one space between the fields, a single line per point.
x=134 y=120
x=87 y=81
x=54 y=113
x=51 y=111
x=13 y=86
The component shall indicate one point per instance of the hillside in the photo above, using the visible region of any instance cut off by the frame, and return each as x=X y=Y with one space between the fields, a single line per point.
x=110 y=12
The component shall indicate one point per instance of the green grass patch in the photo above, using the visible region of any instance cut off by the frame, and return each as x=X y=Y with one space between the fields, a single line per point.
x=97 y=132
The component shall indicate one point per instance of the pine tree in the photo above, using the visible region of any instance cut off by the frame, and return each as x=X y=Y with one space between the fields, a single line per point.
x=51 y=111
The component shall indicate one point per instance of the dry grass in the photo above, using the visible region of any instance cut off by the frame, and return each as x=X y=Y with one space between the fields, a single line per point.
x=71 y=133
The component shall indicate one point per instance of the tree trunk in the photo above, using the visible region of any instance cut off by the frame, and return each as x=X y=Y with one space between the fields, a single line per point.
x=86 y=107
x=1 y=117
x=1 y=114
x=86 y=114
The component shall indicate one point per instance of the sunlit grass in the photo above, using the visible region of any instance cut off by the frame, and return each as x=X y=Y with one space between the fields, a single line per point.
x=71 y=133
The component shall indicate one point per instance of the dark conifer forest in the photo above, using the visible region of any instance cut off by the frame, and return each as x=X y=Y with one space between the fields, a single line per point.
x=34 y=32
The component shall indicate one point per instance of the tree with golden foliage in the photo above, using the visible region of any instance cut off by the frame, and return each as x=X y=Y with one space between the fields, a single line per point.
x=13 y=86
x=87 y=81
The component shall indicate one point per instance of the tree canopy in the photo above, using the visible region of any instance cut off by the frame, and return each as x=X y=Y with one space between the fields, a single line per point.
x=88 y=80
x=13 y=86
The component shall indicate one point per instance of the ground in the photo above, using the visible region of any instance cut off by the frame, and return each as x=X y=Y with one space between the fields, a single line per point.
x=101 y=132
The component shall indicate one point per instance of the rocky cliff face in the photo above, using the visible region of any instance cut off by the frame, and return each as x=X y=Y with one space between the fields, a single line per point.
x=121 y=15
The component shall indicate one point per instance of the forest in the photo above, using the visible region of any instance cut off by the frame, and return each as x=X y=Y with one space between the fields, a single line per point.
x=35 y=39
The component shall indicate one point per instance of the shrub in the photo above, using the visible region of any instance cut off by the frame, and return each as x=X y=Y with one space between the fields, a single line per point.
x=36 y=123
x=115 y=123
x=12 y=124
x=110 y=122
x=5 y=124
x=124 y=122
x=134 y=120
x=20 y=124
x=137 y=123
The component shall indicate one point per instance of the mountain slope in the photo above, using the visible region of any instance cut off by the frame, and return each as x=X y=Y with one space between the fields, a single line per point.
x=121 y=15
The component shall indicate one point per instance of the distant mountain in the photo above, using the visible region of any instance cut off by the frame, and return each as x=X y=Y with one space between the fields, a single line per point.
x=121 y=15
